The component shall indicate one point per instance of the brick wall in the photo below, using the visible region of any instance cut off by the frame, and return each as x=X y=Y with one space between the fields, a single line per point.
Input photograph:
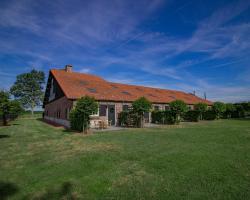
x=58 y=108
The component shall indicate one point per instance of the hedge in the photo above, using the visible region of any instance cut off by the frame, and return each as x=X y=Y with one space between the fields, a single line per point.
x=209 y=115
x=163 y=117
x=128 y=119
x=192 y=115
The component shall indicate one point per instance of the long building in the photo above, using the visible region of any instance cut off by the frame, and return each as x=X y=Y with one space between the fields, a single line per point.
x=64 y=87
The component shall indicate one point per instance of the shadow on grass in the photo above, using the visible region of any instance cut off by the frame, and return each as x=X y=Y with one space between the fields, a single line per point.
x=65 y=129
x=4 y=136
x=7 y=190
x=63 y=192
x=49 y=122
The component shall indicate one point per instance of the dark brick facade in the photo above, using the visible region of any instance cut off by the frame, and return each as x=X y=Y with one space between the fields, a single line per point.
x=59 y=108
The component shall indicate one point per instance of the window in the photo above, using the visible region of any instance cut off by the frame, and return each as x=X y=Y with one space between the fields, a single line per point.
x=102 y=110
x=66 y=113
x=58 y=114
x=156 y=108
x=167 y=108
x=111 y=110
x=124 y=107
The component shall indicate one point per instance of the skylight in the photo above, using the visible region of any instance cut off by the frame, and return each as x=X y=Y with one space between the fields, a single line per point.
x=83 y=83
x=114 y=86
x=92 y=90
x=125 y=92
x=152 y=95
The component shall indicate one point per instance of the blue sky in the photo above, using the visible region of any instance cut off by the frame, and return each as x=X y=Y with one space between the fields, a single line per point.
x=182 y=45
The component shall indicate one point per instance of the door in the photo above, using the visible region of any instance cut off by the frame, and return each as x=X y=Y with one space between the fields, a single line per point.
x=111 y=114
x=146 y=117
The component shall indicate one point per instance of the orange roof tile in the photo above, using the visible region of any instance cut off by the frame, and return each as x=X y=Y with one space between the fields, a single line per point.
x=76 y=85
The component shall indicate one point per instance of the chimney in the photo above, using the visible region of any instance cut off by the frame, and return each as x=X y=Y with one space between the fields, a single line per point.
x=68 y=68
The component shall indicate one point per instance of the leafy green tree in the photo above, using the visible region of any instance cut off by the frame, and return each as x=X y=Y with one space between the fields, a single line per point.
x=230 y=108
x=80 y=115
x=140 y=106
x=218 y=108
x=4 y=106
x=201 y=109
x=8 y=107
x=28 y=89
x=178 y=107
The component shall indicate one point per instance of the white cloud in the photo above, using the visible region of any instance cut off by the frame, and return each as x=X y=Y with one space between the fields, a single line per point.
x=105 y=31
x=85 y=70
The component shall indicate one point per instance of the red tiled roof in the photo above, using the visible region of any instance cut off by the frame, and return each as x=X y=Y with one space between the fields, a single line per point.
x=76 y=85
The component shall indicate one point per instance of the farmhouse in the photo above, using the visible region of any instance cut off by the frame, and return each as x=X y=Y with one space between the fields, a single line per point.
x=64 y=87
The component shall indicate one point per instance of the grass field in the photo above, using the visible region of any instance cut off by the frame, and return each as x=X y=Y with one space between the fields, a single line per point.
x=207 y=160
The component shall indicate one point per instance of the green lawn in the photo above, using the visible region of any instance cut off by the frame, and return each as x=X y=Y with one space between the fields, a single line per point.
x=207 y=160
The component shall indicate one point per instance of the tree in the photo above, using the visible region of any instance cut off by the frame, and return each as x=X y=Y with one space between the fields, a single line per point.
x=218 y=108
x=140 y=106
x=80 y=115
x=246 y=106
x=201 y=109
x=178 y=107
x=230 y=108
x=8 y=107
x=28 y=89
x=239 y=111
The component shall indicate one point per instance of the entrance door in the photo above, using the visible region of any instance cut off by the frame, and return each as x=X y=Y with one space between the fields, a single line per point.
x=111 y=114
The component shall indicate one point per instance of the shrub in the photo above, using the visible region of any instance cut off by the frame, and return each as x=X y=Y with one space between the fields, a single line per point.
x=192 y=115
x=156 y=116
x=230 y=109
x=80 y=115
x=9 y=109
x=123 y=118
x=219 y=108
x=200 y=108
x=177 y=108
x=209 y=115
x=128 y=119
x=140 y=106
x=162 y=117
x=246 y=106
x=239 y=111
x=169 y=117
